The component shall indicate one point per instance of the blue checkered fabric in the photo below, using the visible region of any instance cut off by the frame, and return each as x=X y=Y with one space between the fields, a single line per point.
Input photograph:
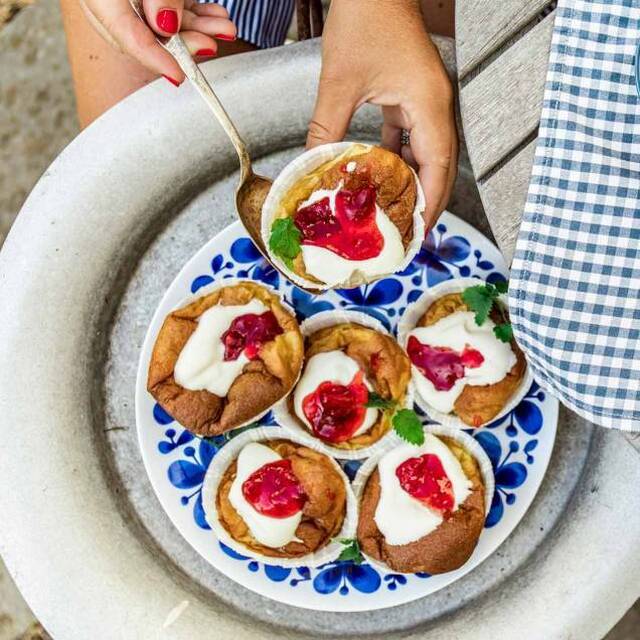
x=575 y=277
x=262 y=22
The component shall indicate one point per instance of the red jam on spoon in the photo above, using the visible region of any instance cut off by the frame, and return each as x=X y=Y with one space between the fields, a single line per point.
x=351 y=232
x=274 y=491
x=425 y=479
x=441 y=365
x=248 y=333
x=335 y=411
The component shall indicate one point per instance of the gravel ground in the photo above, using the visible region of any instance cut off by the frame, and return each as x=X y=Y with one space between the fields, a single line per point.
x=37 y=120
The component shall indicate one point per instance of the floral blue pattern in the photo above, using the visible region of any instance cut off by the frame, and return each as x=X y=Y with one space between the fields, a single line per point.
x=339 y=575
x=510 y=442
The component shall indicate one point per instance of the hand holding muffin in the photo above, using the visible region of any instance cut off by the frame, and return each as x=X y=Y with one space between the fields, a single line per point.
x=343 y=215
x=379 y=52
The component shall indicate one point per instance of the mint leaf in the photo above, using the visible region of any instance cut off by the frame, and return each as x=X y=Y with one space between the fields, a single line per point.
x=408 y=426
x=480 y=300
x=376 y=401
x=351 y=551
x=503 y=332
x=284 y=240
x=502 y=286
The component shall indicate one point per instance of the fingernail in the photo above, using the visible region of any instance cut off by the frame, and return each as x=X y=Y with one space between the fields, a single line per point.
x=175 y=83
x=167 y=20
x=224 y=36
x=205 y=53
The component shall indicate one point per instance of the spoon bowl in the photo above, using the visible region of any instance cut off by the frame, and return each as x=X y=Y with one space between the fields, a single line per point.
x=250 y=196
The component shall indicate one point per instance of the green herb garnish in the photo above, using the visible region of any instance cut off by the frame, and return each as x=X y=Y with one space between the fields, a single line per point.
x=351 y=551
x=503 y=332
x=284 y=240
x=376 y=401
x=406 y=422
x=502 y=286
x=481 y=299
x=408 y=426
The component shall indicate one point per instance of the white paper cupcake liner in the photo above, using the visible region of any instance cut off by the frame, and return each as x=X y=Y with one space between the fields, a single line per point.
x=408 y=322
x=216 y=471
x=290 y=422
x=469 y=443
x=302 y=166
x=231 y=282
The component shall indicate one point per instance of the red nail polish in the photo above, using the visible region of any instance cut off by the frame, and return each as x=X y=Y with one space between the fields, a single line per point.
x=224 y=36
x=205 y=53
x=167 y=20
x=175 y=83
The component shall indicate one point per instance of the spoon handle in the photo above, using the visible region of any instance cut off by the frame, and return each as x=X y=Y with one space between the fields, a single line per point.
x=178 y=49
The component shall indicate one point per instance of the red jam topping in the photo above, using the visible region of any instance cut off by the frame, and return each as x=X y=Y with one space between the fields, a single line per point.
x=351 y=231
x=274 y=491
x=248 y=333
x=441 y=365
x=425 y=479
x=335 y=411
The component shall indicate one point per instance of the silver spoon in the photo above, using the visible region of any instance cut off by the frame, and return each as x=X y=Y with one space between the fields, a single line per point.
x=253 y=188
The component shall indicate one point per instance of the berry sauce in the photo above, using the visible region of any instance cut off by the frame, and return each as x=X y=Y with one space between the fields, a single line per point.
x=335 y=411
x=274 y=491
x=351 y=231
x=425 y=479
x=441 y=365
x=248 y=333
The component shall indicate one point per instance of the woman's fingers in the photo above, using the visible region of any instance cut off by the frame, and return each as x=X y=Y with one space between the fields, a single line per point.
x=434 y=147
x=434 y=183
x=210 y=9
x=216 y=26
x=132 y=36
x=432 y=151
x=164 y=16
x=117 y=22
x=453 y=174
x=199 y=44
x=332 y=114
x=390 y=137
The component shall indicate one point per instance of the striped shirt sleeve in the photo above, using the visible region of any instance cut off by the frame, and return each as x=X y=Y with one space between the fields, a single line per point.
x=264 y=23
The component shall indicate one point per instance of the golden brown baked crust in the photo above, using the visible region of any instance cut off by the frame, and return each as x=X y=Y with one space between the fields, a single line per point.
x=446 y=548
x=385 y=365
x=261 y=384
x=393 y=179
x=479 y=404
x=323 y=512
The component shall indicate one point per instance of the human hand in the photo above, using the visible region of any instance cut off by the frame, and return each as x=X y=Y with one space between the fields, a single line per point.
x=198 y=24
x=378 y=51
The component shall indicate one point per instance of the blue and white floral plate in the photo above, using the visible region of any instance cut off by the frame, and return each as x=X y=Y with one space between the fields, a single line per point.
x=519 y=444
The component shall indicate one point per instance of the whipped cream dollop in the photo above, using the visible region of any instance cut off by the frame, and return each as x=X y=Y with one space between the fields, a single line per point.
x=201 y=364
x=400 y=517
x=330 y=366
x=271 y=532
x=459 y=331
x=332 y=269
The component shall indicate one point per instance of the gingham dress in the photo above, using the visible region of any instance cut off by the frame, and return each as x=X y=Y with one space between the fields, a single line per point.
x=575 y=281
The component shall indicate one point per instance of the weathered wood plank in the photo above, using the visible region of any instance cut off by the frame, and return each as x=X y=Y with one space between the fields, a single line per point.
x=501 y=106
x=503 y=196
x=482 y=26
